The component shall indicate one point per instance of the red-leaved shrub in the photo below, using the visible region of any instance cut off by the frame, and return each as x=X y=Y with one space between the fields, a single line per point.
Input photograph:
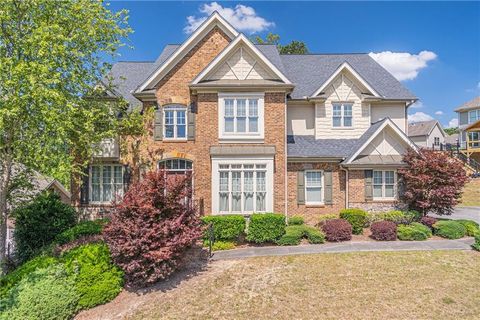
x=152 y=227
x=384 y=230
x=337 y=230
x=428 y=221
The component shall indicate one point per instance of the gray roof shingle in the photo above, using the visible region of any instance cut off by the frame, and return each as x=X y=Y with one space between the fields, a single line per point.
x=469 y=105
x=421 y=128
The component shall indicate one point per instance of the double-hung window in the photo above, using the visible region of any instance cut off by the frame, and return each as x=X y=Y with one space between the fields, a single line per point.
x=242 y=188
x=106 y=183
x=313 y=187
x=175 y=122
x=474 y=139
x=384 y=184
x=436 y=141
x=473 y=116
x=342 y=115
x=241 y=116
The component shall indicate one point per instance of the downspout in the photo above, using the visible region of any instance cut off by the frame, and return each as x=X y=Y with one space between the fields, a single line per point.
x=286 y=170
x=346 y=186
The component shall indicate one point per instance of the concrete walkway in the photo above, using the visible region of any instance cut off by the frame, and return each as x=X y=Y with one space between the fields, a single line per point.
x=461 y=244
x=469 y=213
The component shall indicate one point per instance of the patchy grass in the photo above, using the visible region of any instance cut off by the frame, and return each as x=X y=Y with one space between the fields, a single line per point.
x=471 y=194
x=367 y=285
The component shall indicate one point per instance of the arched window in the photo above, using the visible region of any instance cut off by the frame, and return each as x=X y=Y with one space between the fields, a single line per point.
x=176 y=166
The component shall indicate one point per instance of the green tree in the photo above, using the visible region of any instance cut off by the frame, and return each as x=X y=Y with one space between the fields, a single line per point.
x=52 y=57
x=451 y=131
x=294 y=47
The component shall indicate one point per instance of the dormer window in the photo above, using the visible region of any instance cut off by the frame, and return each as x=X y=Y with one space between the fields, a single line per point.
x=175 y=122
x=342 y=115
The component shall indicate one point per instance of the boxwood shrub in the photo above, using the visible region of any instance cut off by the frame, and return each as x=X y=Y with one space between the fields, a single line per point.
x=471 y=227
x=266 y=227
x=384 y=231
x=84 y=228
x=413 y=232
x=356 y=217
x=476 y=244
x=337 y=230
x=295 y=221
x=225 y=228
x=396 y=216
x=294 y=234
x=449 y=229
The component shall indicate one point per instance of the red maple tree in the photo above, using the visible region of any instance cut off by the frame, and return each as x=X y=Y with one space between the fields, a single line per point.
x=152 y=227
x=432 y=181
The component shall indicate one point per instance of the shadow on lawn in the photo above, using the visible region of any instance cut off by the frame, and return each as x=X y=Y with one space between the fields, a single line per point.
x=195 y=262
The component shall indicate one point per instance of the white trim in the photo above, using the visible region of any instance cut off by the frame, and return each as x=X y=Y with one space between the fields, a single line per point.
x=269 y=186
x=175 y=108
x=215 y=19
x=347 y=66
x=395 y=185
x=391 y=124
x=322 y=189
x=112 y=182
x=241 y=38
x=342 y=114
x=242 y=136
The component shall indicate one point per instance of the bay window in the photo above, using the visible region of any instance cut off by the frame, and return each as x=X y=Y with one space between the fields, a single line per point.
x=175 y=122
x=241 y=116
x=384 y=184
x=342 y=115
x=106 y=182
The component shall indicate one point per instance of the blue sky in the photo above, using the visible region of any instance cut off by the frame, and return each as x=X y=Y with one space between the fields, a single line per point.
x=432 y=47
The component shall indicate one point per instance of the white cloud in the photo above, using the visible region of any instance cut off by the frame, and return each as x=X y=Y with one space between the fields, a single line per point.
x=403 y=65
x=417 y=105
x=419 y=116
x=453 y=123
x=439 y=112
x=242 y=18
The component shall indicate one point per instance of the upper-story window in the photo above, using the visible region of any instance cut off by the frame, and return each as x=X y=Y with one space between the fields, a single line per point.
x=342 y=115
x=175 y=122
x=473 y=116
x=241 y=116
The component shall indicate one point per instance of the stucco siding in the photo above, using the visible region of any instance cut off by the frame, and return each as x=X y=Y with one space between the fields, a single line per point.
x=301 y=120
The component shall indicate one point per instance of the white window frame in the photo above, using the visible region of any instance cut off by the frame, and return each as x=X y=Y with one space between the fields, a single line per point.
x=436 y=141
x=395 y=185
x=322 y=188
x=342 y=114
x=217 y=162
x=241 y=136
x=112 y=183
x=477 y=116
x=175 y=108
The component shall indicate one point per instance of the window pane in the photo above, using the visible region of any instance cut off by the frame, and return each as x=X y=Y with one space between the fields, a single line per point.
x=224 y=201
x=248 y=181
x=96 y=174
x=169 y=117
x=236 y=181
x=236 y=201
x=229 y=124
x=107 y=192
x=347 y=110
x=169 y=131
x=252 y=124
x=377 y=177
x=389 y=177
x=180 y=117
x=248 y=205
x=314 y=194
x=337 y=122
x=389 y=191
x=337 y=110
x=241 y=108
x=347 y=121
x=241 y=124
x=118 y=174
x=95 y=192
x=261 y=181
x=229 y=111
x=181 y=131
x=224 y=181
x=260 y=203
x=314 y=178
x=253 y=107
x=377 y=191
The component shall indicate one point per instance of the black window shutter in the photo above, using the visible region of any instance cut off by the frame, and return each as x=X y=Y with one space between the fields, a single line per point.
x=191 y=121
x=300 y=187
x=158 y=124
x=368 y=185
x=328 y=187
x=84 y=188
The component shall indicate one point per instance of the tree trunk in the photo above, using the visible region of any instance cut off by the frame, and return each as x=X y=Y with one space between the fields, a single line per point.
x=6 y=167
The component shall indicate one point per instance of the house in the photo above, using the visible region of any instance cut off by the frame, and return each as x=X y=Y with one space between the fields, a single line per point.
x=427 y=134
x=260 y=131
x=469 y=127
x=39 y=183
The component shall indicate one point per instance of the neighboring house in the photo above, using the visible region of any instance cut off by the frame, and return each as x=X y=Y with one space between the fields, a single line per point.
x=453 y=139
x=40 y=183
x=469 y=127
x=260 y=131
x=427 y=134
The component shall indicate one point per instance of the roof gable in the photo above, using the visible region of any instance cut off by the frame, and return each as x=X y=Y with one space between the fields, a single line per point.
x=423 y=128
x=241 y=60
x=215 y=20
x=469 y=105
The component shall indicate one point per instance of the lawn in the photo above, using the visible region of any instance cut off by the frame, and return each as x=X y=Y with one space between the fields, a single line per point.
x=471 y=194
x=370 y=285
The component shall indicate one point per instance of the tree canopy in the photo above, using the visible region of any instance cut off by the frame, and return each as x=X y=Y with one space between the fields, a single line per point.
x=294 y=47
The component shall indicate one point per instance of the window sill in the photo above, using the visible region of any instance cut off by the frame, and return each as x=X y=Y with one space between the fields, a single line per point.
x=241 y=140
x=343 y=128
x=174 y=140
x=315 y=205
x=384 y=200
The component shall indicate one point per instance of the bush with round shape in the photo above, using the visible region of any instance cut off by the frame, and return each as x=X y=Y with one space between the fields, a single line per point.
x=294 y=234
x=413 y=232
x=39 y=222
x=295 y=221
x=396 y=216
x=337 y=230
x=150 y=230
x=449 y=229
x=225 y=228
x=428 y=221
x=265 y=227
x=384 y=231
x=47 y=294
x=97 y=279
x=356 y=217
x=471 y=227
x=82 y=229
x=476 y=244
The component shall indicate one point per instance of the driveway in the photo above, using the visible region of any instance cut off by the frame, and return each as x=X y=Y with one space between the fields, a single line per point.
x=470 y=213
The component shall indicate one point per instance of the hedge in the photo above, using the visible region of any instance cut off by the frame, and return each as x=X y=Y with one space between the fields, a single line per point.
x=225 y=228
x=471 y=227
x=356 y=217
x=294 y=234
x=295 y=221
x=413 y=232
x=449 y=229
x=476 y=244
x=84 y=228
x=266 y=227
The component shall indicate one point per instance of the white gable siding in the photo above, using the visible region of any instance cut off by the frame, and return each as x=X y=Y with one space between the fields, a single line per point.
x=301 y=120
x=342 y=89
x=436 y=132
x=395 y=111
x=386 y=143
x=241 y=66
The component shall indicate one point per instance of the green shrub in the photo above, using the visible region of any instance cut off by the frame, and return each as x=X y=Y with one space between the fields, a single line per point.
x=449 y=229
x=422 y=227
x=84 y=228
x=13 y=278
x=326 y=217
x=220 y=245
x=294 y=234
x=45 y=294
x=225 y=228
x=265 y=227
x=97 y=279
x=412 y=232
x=295 y=221
x=356 y=217
x=396 y=216
x=471 y=227
x=39 y=222
x=476 y=245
